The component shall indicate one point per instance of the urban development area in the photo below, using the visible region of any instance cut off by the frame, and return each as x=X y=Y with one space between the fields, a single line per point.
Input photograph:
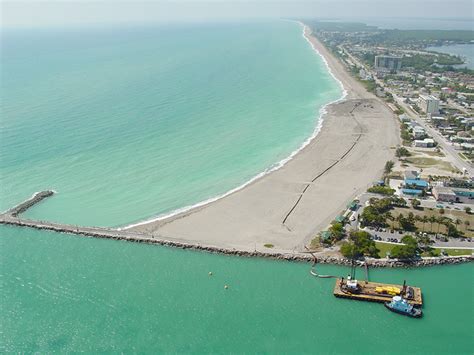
x=423 y=203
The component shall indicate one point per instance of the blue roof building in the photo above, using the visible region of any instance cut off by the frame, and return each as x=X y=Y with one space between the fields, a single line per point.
x=416 y=184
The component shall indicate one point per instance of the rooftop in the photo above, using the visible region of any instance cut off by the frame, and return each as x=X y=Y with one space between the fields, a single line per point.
x=416 y=182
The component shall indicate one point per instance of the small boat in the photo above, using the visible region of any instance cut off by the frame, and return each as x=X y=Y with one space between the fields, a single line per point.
x=401 y=306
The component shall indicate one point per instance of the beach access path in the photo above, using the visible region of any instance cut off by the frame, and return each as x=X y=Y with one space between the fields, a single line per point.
x=288 y=207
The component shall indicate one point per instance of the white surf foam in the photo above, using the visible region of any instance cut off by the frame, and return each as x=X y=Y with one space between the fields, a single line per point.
x=278 y=165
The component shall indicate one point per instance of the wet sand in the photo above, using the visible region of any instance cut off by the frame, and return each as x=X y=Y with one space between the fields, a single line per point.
x=288 y=207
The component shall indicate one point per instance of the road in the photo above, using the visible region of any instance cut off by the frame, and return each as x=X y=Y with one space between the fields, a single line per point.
x=451 y=153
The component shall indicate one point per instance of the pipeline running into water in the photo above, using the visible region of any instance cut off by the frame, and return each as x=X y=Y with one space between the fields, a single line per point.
x=313 y=270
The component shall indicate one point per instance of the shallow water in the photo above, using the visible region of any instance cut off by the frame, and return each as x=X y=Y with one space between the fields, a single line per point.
x=66 y=293
x=131 y=123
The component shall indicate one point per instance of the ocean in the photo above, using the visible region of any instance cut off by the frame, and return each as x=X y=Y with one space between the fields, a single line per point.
x=63 y=293
x=131 y=123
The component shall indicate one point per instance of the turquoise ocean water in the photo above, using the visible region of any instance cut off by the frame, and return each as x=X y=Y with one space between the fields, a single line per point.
x=65 y=293
x=127 y=124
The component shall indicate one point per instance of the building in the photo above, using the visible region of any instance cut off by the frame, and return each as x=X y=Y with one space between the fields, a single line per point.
x=416 y=184
x=428 y=104
x=387 y=63
x=418 y=132
x=444 y=194
x=404 y=118
x=425 y=143
x=463 y=195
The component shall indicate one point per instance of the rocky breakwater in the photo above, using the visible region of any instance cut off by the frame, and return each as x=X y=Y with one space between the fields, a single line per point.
x=33 y=200
x=109 y=233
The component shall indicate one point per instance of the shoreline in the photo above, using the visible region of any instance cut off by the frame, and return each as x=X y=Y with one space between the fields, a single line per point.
x=316 y=182
x=341 y=147
x=104 y=233
x=274 y=167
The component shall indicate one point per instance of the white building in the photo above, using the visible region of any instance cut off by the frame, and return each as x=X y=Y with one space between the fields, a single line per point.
x=444 y=194
x=425 y=143
x=428 y=104
x=418 y=132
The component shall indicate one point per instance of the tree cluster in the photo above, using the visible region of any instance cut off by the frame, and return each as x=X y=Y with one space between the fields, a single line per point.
x=359 y=244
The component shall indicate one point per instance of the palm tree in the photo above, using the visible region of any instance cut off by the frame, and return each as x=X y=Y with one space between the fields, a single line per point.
x=432 y=220
x=457 y=222
x=425 y=219
x=441 y=220
x=400 y=220
x=388 y=167
x=416 y=219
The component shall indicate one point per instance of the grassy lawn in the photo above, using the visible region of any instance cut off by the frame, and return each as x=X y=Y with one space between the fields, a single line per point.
x=433 y=154
x=385 y=247
x=453 y=214
x=315 y=244
x=423 y=162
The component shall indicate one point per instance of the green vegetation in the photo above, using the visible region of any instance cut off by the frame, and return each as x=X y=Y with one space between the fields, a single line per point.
x=268 y=245
x=422 y=162
x=359 y=244
x=405 y=134
x=383 y=190
x=424 y=62
x=370 y=85
x=402 y=152
x=388 y=167
x=385 y=248
x=407 y=250
x=415 y=203
x=377 y=212
x=404 y=223
x=341 y=26
x=434 y=222
x=334 y=233
x=402 y=36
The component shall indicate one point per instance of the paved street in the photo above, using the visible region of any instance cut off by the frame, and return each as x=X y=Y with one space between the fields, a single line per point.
x=451 y=153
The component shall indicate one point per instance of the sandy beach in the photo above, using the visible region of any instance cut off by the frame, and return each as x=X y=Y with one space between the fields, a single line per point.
x=288 y=207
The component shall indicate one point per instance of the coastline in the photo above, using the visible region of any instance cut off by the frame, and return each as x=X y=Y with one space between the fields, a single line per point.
x=104 y=233
x=351 y=132
x=351 y=144
x=278 y=165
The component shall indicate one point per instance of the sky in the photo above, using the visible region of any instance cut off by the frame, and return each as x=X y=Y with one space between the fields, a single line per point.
x=19 y=13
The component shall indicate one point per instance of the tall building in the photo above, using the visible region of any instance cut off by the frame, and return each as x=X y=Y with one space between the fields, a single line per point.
x=428 y=104
x=387 y=63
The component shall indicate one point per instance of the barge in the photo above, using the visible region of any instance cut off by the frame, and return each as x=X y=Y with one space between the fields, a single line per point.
x=376 y=292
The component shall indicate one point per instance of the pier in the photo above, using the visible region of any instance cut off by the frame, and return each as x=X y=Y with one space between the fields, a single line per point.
x=368 y=293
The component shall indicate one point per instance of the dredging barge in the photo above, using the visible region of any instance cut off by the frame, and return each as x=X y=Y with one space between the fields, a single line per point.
x=376 y=292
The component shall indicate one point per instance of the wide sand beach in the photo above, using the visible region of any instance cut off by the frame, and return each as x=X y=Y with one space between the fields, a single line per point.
x=289 y=206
